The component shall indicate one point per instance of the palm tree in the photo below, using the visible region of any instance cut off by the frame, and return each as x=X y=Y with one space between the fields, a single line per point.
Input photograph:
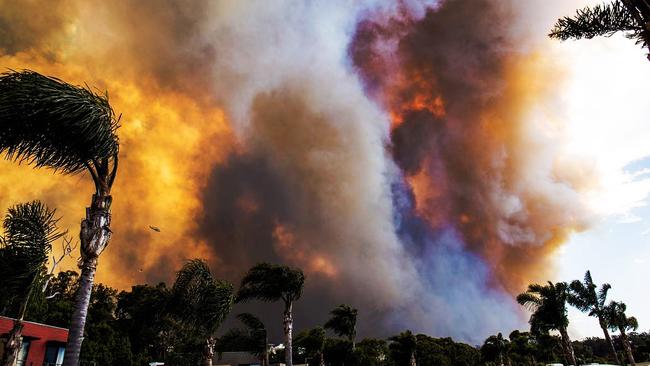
x=270 y=282
x=48 y=123
x=403 y=348
x=583 y=295
x=313 y=341
x=618 y=320
x=344 y=322
x=628 y=16
x=548 y=304
x=524 y=345
x=30 y=229
x=257 y=336
x=496 y=345
x=201 y=302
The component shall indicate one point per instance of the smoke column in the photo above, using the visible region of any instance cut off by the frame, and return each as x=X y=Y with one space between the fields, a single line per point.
x=403 y=155
x=453 y=85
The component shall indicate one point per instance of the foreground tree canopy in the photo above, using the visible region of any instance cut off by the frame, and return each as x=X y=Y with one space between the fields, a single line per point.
x=30 y=229
x=631 y=17
x=171 y=324
x=270 y=283
x=49 y=123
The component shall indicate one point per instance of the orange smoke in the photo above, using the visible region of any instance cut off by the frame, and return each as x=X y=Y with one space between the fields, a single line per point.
x=299 y=254
x=410 y=93
x=170 y=140
x=461 y=104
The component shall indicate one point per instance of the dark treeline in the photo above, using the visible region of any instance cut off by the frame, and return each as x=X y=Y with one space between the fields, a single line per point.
x=135 y=327
x=523 y=348
x=178 y=324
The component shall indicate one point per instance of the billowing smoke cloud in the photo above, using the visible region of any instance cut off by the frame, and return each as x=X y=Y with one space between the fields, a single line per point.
x=147 y=55
x=462 y=133
x=310 y=185
x=388 y=150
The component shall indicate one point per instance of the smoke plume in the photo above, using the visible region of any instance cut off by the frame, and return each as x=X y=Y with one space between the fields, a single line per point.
x=461 y=133
x=394 y=152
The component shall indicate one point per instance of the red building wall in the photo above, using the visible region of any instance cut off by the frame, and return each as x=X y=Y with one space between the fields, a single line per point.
x=39 y=334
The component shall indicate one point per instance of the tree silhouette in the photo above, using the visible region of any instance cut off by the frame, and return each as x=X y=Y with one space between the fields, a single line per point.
x=30 y=229
x=48 y=123
x=257 y=338
x=313 y=341
x=583 y=296
x=403 y=347
x=631 y=17
x=496 y=347
x=548 y=304
x=615 y=313
x=270 y=282
x=343 y=322
x=201 y=301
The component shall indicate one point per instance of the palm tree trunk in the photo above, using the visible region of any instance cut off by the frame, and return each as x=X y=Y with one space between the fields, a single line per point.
x=14 y=341
x=266 y=351
x=15 y=336
x=208 y=352
x=288 y=333
x=568 y=347
x=78 y=320
x=94 y=237
x=608 y=338
x=626 y=345
x=412 y=361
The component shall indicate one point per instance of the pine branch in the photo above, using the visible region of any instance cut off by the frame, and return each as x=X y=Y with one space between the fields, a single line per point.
x=600 y=20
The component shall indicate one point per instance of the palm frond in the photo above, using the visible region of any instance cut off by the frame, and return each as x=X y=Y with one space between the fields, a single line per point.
x=529 y=300
x=343 y=321
x=49 y=123
x=632 y=323
x=600 y=20
x=213 y=305
x=583 y=296
x=548 y=304
x=194 y=274
x=31 y=226
x=602 y=294
x=617 y=318
x=271 y=282
x=256 y=338
x=579 y=296
x=251 y=321
x=406 y=341
x=29 y=231
x=198 y=298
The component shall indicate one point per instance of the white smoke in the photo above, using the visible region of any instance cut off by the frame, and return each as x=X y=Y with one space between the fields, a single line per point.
x=284 y=76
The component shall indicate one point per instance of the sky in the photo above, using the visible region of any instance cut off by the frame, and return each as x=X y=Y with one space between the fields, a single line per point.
x=614 y=138
x=423 y=161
